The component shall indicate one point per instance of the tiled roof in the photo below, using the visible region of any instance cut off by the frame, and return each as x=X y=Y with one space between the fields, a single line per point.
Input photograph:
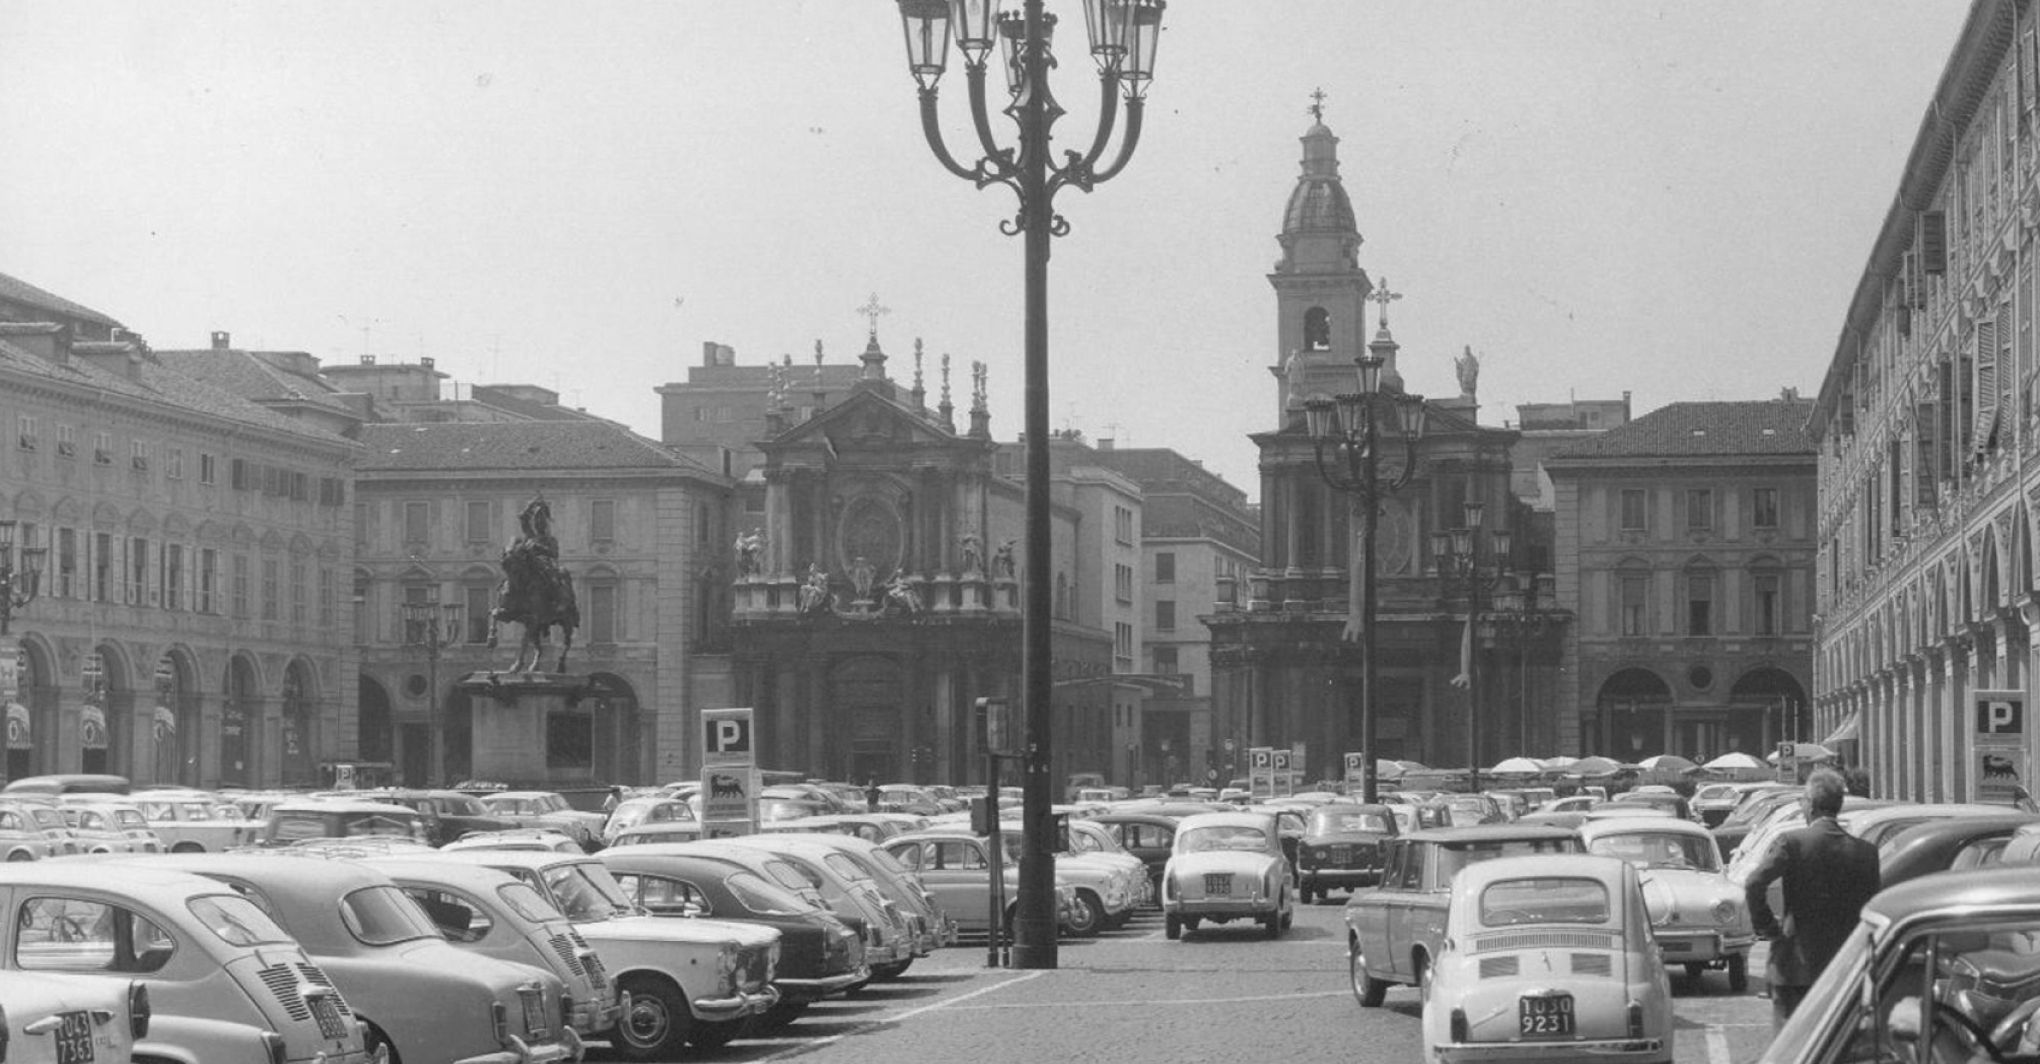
x=513 y=446
x=1696 y=430
x=245 y=375
x=159 y=384
x=15 y=290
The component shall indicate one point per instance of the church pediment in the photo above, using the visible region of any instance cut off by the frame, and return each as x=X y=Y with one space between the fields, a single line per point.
x=866 y=421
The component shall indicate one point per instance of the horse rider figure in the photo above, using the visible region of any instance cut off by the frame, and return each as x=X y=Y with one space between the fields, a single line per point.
x=535 y=592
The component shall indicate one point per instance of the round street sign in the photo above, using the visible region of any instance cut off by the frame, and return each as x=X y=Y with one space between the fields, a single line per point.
x=1228 y=746
x=1211 y=774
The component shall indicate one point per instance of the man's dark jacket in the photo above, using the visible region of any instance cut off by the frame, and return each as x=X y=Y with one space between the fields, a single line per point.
x=1828 y=875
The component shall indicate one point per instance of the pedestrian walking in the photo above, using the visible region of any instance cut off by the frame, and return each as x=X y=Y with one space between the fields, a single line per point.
x=871 y=796
x=1828 y=875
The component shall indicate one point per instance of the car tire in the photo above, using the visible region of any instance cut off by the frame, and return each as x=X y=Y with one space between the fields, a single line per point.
x=717 y=1034
x=886 y=973
x=655 y=1026
x=373 y=1037
x=1088 y=917
x=1368 y=990
x=1172 y=927
x=780 y=1015
x=1739 y=973
x=1303 y=894
x=1288 y=919
x=1192 y=923
x=187 y=847
x=1272 y=923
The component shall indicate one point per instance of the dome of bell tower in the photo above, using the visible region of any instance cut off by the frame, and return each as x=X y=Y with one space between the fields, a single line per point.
x=1319 y=202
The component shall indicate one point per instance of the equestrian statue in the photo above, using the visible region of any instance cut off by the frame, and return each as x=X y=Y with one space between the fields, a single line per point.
x=535 y=592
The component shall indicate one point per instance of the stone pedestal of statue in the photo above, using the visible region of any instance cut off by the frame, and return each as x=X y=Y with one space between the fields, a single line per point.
x=508 y=711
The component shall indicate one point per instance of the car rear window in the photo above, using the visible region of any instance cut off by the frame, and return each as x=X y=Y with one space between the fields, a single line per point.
x=765 y=899
x=1544 y=900
x=1221 y=837
x=237 y=921
x=1455 y=857
x=382 y=915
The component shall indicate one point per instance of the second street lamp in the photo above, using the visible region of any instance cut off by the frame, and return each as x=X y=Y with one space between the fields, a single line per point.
x=431 y=625
x=1463 y=567
x=1123 y=36
x=1347 y=436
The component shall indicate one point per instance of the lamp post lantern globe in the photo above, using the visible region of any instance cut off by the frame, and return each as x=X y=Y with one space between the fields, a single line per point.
x=1123 y=35
x=431 y=625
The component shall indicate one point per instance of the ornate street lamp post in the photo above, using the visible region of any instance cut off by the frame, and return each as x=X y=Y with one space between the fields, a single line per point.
x=1462 y=567
x=1347 y=433
x=1524 y=623
x=1123 y=36
x=17 y=589
x=431 y=624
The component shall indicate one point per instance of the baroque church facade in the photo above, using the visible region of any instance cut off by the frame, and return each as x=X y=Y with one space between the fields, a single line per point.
x=1285 y=674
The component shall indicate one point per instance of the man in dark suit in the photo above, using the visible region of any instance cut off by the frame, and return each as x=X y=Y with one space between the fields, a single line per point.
x=1828 y=875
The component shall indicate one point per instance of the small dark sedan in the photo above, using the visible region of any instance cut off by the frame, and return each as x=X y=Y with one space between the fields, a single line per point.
x=1951 y=843
x=448 y=815
x=819 y=955
x=1341 y=848
x=1148 y=836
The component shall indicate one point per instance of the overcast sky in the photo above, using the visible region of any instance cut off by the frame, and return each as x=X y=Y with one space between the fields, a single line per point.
x=1670 y=199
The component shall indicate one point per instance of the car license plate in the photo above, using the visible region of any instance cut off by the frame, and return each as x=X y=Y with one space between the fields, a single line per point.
x=1675 y=946
x=534 y=1014
x=74 y=1039
x=327 y=1012
x=1218 y=883
x=1545 y=1016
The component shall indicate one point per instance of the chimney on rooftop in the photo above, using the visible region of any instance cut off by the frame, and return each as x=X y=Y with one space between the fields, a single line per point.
x=368 y=360
x=425 y=361
x=222 y=340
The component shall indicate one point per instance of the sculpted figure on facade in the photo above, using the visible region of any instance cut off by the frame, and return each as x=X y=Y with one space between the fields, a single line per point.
x=973 y=553
x=1002 y=561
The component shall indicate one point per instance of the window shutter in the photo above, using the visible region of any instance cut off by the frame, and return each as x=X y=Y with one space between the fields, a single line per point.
x=1932 y=240
x=1924 y=467
x=1986 y=385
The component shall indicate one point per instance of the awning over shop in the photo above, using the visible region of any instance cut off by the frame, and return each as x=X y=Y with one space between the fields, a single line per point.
x=1844 y=734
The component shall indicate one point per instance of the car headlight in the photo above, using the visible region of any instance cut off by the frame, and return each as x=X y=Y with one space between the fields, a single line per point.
x=726 y=961
x=1726 y=910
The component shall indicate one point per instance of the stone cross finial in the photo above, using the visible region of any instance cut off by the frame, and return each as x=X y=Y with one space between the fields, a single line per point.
x=872 y=310
x=1317 y=104
x=1384 y=297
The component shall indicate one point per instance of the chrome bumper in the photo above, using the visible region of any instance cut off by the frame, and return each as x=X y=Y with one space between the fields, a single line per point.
x=568 y=1049
x=1696 y=947
x=1623 y=1049
x=736 y=1006
x=817 y=989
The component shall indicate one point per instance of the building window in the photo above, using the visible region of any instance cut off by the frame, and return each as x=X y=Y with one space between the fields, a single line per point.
x=479 y=603
x=1767 y=602
x=1764 y=507
x=138 y=571
x=1165 y=661
x=1165 y=616
x=173 y=576
x=327 y=594
x=208 y=468
x=208 y=580
x=1122 y=524
x=138 y=456
x=1699 y=603
x=1635 y=510
x=601 y=613
x=173 y=463
x=1122 y=582
x=30 y=436
x=102 y=448
x=416 y=518
x=602 y=521
x=478 y=525
x=67 y=564
x=1165 y=567
x=240 y=591
x=271 y=578
x=67 y=441
x=105 y=572
x=1122 y=643
x=299 y=591
x=1635 y=589
x=1699 y=509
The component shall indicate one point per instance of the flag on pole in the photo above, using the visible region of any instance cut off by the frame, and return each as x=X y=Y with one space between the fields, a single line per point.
x=1465 y=677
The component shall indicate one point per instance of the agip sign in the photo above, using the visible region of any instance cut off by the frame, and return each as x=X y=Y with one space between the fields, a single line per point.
x=729 y=773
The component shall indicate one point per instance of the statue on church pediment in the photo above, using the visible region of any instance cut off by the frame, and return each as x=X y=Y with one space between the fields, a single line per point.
x=901 y=595
x=862 y=575
x=1467 y=366
x=973 y=553
x=750 y=548
x=1002 y=561
x=814 y=592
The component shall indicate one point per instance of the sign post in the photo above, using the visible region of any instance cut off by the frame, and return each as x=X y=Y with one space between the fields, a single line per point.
x=729 y=774
x=1788 y=762
x=1356 y=772
x=1260 y=773
x=1283 y=782
x=1997 y=775
x=1000 y=741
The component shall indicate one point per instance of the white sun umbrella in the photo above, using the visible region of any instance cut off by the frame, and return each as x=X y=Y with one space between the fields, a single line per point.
x=1734 y=760
x=1522 y=765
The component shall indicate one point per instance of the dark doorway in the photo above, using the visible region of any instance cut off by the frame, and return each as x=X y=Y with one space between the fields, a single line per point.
x=416 y=741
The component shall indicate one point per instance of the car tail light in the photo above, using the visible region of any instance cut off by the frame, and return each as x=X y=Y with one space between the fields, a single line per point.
x=138 y=1012
x=501 y=1016
x=279 y=1053
x=1458 y=1033
x=1636 y=1019
x=566 y=1010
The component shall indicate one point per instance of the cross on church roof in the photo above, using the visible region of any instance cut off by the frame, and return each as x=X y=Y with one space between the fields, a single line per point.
x=1384 y=297
x=1317 y=104
x=872 y=310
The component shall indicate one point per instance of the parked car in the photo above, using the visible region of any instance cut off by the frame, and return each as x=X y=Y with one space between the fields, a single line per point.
x=491 y=913
x=819 y=955
x=1091 y=841
x=69 y=783
x=1712 y=802
x=291 y=822
x=955 y=866
x=891 y=943
x=516 y=839
x=1951 y=843
x=417 y=992
x=547 y=809
x=682 y=981
x=647 y=809
x=1548 y=957
x=1341 y=847
x=1939 y=968
x=1699 y=917
x=1395 y=931
x=45 y=819
x=871 y=827
x=226 y=984
x=46 y=1018
x=1226 y=867
x=448 y=814
x=1148 y=836
x=106 y=823
x=1669 y=801
x=1874 y=826
x=857 y=857
x=1749 y=811
x=21 y=840
x=189 y=821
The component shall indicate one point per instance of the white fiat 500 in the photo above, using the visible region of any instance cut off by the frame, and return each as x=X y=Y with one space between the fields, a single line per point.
x=1548 y=958
x=1225 y=867
x=1697 y=914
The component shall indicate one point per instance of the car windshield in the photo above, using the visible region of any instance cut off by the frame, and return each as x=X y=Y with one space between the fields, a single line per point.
x=237 y=921
x=583 y=894
x=552 y=803
x=527 y=902
x=1453 y=858
x=159 y=810
x=1333 y=821
x=849 y=869
x=130 y=818
x=1660 y=850
x=1544 y=900
x=763 y=898
x=382 y=915
x=1222 y=837
x=462 y=805
x=46 y=817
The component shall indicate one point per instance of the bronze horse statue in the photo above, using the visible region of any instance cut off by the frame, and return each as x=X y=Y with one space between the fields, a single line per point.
x=535 y=592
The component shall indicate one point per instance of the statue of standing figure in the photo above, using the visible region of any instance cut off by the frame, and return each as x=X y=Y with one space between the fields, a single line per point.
x=973 y=553
x=750 y=546
x=1002 y=562
x=1467 y=367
